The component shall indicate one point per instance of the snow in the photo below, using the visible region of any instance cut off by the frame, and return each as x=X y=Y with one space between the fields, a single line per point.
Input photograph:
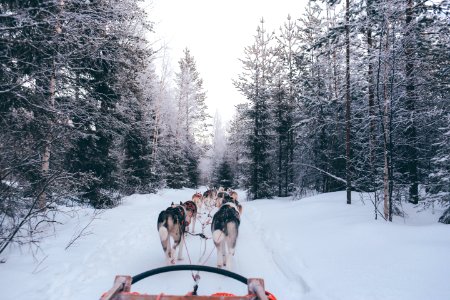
x=314 y=248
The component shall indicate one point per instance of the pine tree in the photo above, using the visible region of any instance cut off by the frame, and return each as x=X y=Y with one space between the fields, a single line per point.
x=192 y=118
x=110 y=79
x=237 y=153
x=192 y=115
x=320 y=110
x=255 y=84
x=285 y=97
x=224 y=177
x=137 y=162
x=175 y=166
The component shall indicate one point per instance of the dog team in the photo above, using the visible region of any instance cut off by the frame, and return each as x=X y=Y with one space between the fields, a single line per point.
x=175 y=222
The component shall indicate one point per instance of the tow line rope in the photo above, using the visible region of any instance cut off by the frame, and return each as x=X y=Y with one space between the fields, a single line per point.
x=196 y=277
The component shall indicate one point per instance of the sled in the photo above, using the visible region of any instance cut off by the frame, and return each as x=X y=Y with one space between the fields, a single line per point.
x=121 y=289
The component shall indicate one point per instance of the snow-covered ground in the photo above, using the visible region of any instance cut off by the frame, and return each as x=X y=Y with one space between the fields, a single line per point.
x=313 y=248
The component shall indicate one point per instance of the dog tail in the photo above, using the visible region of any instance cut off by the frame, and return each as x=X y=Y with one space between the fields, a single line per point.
x=166 y=221
x=218 y=236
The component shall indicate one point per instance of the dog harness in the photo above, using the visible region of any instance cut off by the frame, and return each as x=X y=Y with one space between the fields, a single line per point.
x=190 y=206
x=233 y=205
x=180 y=214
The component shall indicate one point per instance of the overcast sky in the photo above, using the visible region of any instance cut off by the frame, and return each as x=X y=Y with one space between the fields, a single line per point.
x=216 y=32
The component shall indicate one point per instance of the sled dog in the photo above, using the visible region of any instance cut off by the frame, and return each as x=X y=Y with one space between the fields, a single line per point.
x=233 y=195
x=172 y=224
x=197 y=199
x=225 y=197
x=225 y=229
x=221 y=195
x=191 y=213
x=209 y=197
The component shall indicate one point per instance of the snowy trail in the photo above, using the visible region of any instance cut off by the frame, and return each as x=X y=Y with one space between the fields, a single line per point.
x=254 y=258
x=132 y=246
x=277 y=261
x=125 y=241
x=318 y=248
x=257 y=256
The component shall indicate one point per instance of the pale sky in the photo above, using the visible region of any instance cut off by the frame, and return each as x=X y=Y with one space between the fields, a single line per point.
x=216 y=32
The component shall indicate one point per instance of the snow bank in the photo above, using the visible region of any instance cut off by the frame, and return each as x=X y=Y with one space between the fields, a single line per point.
x=315 y=248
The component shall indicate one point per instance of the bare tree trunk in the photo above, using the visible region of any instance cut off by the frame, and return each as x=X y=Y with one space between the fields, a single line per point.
x=347 y=104
x=371 y=94
x=46 y=151
x=386 y=133
x=411 y=131
x=45 y=162
x=280 y=166
x=157 y=117
x=386 y=172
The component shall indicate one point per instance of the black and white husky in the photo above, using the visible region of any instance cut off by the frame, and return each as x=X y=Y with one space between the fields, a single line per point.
x=225 y=229
x=173 y=223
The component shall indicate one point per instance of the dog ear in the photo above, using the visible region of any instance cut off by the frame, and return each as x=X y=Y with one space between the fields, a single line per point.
x=172 y=203
x=181 y=203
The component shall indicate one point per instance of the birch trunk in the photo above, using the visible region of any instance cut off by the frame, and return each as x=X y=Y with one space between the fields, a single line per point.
x=46 y=152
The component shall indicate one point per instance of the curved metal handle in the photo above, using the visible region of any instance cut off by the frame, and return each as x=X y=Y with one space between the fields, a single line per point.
x=166 y=269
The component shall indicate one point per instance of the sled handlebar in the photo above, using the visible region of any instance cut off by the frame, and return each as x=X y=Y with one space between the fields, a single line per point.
x=122 y=285
x=166 y=269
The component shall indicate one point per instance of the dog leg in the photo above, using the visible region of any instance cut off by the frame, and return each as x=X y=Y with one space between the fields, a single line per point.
x=193 y=221
x=218 y=238
x=231 y=239
x=165 y=242
x=170 y=254
x=224 y=253
x=180 y=248
x=219 y=255
x=230 y=254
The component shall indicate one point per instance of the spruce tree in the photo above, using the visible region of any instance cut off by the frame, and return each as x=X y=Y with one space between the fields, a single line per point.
x=224 y=176
x=191 y=120
x=255 y=85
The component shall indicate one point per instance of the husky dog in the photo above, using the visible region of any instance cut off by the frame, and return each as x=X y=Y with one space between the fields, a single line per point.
x=209 y=197
x=225 y=227
x=225 y=197
x=173 y=223
x=221 y=195
x=197 y=199
x=233 y=194
x=191 y=213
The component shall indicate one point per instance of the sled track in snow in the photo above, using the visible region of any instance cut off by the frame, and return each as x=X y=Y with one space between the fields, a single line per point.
x=286 y=263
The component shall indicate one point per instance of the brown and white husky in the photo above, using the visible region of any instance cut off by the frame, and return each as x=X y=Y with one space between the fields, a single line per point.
x=209 y=197
x=197 y=199
x=225 y=229
x=229 y=196
x=172 y=224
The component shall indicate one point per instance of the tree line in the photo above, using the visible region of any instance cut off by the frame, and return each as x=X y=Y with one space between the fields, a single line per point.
x=85 y=119
x=352 y=95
